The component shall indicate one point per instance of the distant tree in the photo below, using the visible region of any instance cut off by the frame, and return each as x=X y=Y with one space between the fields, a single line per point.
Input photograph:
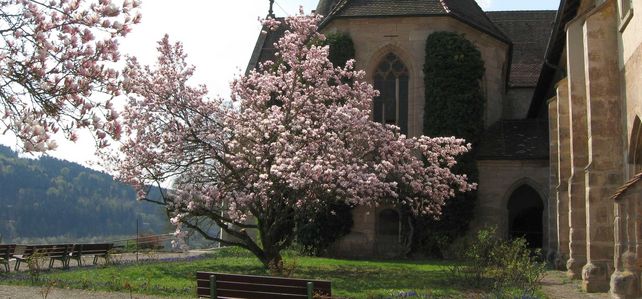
x=47 y=197
x=54 y=56
x=296 y=135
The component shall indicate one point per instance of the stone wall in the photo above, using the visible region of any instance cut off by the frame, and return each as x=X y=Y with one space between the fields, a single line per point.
x=359 y=243
x=406 y=37
x=497 y=181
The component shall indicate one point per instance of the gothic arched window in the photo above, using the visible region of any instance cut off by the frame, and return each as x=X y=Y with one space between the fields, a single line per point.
x=391 y=79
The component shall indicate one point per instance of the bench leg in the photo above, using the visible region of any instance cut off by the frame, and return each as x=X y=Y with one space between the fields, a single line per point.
x=213 y=287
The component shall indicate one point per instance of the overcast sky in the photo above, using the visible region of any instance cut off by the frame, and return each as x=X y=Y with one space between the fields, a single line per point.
x=219 y=37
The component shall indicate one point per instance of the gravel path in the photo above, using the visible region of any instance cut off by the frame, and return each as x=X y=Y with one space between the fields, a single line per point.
x=557 y=286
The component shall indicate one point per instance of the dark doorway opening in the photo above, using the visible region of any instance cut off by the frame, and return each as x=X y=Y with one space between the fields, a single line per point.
x=388 y=233
x=525 y=216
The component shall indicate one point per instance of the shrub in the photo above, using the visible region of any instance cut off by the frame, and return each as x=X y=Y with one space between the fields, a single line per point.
x=506 y=267
x=35 y=265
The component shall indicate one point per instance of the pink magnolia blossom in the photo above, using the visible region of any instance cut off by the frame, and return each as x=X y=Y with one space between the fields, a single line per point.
x=296 y=133
x=54 y=56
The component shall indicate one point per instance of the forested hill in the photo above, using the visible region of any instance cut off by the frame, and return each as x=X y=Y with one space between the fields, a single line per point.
x=49 y=197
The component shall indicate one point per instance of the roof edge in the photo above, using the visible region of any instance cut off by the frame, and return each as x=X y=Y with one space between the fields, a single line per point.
x=499 y=37
x=567 y=11
x=256 y=53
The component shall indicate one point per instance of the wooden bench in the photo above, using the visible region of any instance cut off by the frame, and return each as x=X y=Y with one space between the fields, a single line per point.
x=101 y=250
x=56 y=252
x=21 y=254
x=6 y=254
x=220 y=285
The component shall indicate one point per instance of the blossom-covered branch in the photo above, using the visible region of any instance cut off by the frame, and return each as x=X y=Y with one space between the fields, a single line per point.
x=54 y=56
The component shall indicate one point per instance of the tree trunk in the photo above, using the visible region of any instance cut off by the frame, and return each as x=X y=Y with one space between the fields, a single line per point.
x=273 y=261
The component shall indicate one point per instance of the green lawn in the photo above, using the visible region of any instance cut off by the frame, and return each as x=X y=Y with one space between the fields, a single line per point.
x=350 y=278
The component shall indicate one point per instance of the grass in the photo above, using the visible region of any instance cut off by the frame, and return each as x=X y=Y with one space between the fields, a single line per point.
x=350 y=278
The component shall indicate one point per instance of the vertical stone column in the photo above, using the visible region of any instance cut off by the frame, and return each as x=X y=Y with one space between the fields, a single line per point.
x=553 y=254
x=635 y=232
x=624 y=280
x=579 y=148
x=563 y=166
x=604 y=172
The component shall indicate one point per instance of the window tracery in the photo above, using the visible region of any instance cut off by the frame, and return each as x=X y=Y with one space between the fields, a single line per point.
x=392 y=79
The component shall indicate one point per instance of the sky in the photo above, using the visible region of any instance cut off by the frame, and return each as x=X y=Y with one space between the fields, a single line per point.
x=218 y=37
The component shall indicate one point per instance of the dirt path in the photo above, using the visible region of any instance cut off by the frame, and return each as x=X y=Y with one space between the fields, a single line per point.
x=557 y=286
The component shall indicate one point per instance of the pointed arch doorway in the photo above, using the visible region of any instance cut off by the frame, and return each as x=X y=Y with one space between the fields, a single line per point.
x=525 y=216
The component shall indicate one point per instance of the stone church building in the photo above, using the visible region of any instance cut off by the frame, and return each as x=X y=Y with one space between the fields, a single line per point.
x=561 y=157
x=389 y=40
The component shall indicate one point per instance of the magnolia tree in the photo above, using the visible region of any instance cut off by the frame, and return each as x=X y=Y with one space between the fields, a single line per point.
x=296 y=135
x=54 y=54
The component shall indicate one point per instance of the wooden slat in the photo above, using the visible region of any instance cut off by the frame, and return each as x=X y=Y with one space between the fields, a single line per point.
x=91 y=249
x=54 y=250
x=97 y=247
x=317 y=290
x=254 y=287
x=263 y=287
x=205 y=292
x=263 y=279
x=259 y=287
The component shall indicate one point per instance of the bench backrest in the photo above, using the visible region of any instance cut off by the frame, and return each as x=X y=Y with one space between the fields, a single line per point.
x=57 y=250
x=6 y=251
x=88 y=249
x=23 y=250
x=259 y=287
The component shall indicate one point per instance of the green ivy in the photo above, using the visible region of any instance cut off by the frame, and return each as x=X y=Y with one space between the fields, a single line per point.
x=454 y=107
x=454 y=100
x=341 y=48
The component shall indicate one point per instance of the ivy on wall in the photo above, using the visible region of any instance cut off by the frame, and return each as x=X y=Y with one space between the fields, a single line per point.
x=454 y=107
x=341 y=48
